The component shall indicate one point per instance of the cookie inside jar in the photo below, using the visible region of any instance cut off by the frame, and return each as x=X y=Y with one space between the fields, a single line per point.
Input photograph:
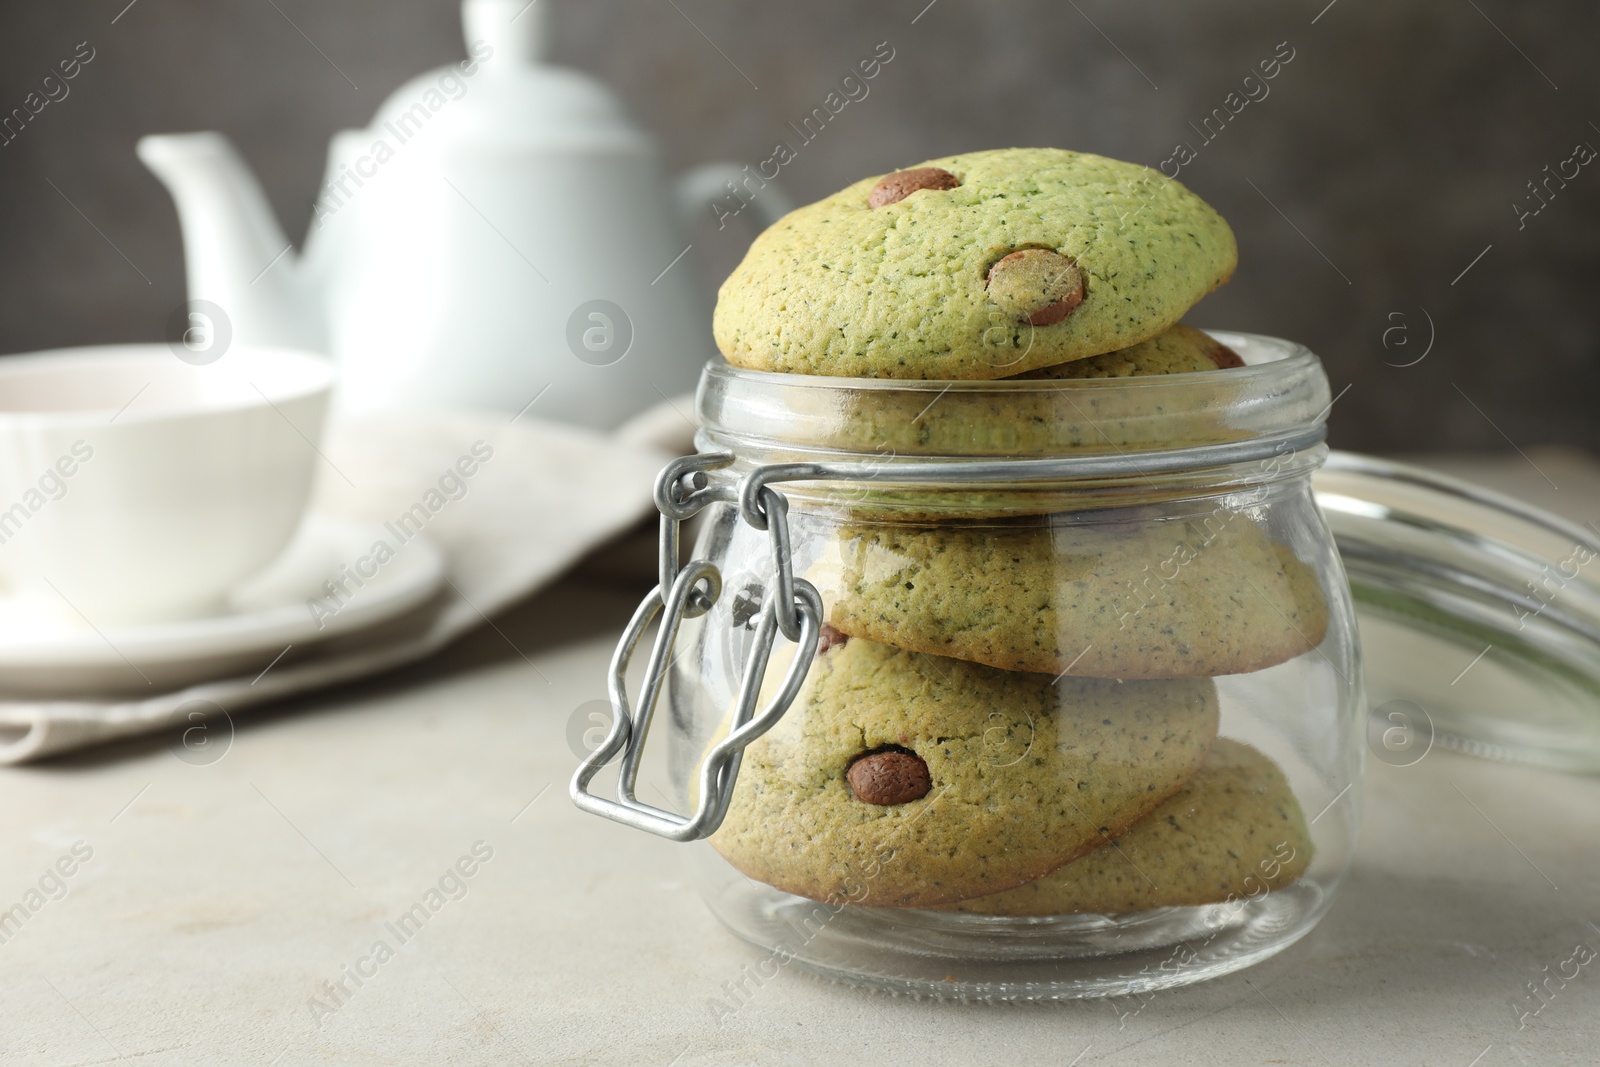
x=1024 y=773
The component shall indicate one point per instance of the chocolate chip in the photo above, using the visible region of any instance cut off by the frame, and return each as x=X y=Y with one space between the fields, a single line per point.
x=1036 y=286
x=1224 y=357
x=889 y=776
x=828 y=638
x=893 y=188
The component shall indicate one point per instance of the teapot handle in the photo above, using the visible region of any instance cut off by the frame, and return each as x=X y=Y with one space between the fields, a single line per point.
x=708 y=185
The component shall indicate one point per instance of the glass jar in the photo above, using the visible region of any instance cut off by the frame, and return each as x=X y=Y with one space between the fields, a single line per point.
x=1018 y=690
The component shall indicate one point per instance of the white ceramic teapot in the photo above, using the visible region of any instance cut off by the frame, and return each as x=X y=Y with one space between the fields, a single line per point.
x=500 y=232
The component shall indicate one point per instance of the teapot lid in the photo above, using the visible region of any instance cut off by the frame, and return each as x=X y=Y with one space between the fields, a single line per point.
x=504 y=92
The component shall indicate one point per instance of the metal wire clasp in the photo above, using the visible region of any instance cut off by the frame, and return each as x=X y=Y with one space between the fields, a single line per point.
x=793 y=607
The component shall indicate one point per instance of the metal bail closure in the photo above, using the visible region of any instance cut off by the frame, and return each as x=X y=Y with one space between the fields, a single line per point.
x=630 y=727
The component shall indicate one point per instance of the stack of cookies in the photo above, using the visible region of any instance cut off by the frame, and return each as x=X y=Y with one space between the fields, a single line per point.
x=1016 y=717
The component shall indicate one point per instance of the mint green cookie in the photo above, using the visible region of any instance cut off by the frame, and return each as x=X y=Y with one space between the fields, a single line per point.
x=1180 y=350
x=1191 y=597
x=904 y=289
x=1023 y=772
x=1234 y=830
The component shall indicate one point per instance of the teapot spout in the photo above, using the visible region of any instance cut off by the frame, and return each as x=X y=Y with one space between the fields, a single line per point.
x=236 y=254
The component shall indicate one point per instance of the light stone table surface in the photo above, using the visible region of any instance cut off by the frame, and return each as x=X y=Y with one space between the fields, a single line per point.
x=209 y=902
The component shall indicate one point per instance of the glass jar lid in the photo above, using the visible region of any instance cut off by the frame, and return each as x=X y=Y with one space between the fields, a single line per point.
x=1479 y=615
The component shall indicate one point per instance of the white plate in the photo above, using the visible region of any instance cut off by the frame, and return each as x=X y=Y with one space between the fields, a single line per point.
x=46 y=650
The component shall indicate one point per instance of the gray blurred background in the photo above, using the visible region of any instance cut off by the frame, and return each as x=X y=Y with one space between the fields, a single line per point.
x=1388 y=155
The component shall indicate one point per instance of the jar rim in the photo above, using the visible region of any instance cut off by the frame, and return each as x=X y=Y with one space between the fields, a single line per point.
x=1282 y=356
x=1281 y=392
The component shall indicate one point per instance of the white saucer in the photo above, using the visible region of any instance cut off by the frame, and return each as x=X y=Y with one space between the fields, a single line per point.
x=48 y=652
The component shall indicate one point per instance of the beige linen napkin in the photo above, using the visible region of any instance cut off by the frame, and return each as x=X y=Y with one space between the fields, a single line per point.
x=550 y=494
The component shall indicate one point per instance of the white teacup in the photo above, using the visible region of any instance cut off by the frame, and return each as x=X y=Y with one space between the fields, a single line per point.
x=135 y=487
